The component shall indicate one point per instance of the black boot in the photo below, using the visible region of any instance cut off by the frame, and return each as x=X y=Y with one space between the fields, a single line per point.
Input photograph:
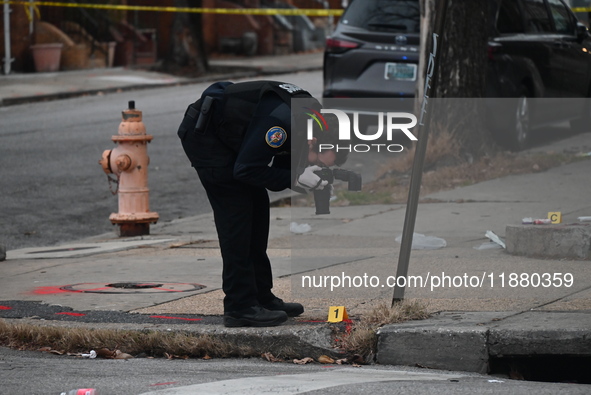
x=254 y=316
x=292 y=309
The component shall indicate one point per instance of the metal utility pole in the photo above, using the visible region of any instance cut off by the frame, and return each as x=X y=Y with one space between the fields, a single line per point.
x=31 y=17
x=7 y=55
x=419 y=159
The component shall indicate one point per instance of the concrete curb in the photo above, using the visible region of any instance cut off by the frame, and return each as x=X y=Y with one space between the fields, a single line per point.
x=455 y=341
x=468 y=341
x=541 y=333
x=282 y=341
x=298 y=341
x=458 y=341
x=571 y=241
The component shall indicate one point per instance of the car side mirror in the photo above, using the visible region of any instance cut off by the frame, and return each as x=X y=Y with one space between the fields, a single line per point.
x=582 y=31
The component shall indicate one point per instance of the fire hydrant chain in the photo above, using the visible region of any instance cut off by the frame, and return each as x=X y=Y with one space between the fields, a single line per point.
x=113 y=181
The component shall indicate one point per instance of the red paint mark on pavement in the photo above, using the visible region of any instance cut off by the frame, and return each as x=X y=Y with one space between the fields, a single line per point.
x=5 y=307
x=168 y=383
x=72 y=314
x=165 y=317
x=50 y=291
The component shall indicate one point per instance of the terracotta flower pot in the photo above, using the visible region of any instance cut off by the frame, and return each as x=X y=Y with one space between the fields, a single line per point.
x=47 y=56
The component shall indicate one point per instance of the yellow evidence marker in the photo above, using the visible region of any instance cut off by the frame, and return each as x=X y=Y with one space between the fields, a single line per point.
x=337 y=314
x=555 y=217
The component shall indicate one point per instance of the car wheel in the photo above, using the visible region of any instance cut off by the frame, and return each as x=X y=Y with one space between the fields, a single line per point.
x=515 y=135
x=522 y=125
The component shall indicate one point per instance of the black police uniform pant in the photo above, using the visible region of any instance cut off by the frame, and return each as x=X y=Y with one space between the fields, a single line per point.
x=241 y=214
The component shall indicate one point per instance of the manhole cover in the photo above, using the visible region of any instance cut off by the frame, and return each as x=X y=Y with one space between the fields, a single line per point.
x=134 y=285
x=130 y=287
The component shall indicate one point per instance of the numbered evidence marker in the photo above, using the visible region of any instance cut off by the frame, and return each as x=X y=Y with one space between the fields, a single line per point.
x=555 y=217
x=337 y=314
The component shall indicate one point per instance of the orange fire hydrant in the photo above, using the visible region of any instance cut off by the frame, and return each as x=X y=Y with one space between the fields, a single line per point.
x=129 y=162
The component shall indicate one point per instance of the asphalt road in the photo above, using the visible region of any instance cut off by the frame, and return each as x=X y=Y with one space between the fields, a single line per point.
x=52 y=188
x=41 y=373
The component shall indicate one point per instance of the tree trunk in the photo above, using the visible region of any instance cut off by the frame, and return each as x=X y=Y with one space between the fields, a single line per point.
x=464 y=56
x=462 y=61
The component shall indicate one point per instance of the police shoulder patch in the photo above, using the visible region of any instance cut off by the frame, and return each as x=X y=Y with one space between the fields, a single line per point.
x=275 y=137
x=291 y=88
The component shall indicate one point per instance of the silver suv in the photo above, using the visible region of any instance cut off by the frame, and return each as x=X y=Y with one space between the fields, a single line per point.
x=374 y=51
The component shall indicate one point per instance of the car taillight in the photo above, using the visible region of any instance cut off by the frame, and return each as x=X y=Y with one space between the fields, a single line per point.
x=492 y=49
x=334 y=45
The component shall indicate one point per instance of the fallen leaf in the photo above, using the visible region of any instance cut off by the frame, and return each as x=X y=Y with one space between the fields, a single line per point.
x=172 y=356
x=56 y=352
x=303 y=361
x=122 y=355
x=105 y=353
x=356 y=365
x=206 y=357
x=270 y=357
x=325 y=359
x=45 y=349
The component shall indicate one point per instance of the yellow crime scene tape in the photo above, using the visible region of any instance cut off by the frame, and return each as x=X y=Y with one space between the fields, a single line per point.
x=228 y=11
x=231 y=11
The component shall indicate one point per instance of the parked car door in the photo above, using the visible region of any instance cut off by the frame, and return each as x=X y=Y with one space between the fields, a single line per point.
x=542 y=46
x=571 y=50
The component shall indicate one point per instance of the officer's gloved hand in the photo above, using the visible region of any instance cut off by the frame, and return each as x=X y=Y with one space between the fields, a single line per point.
x=310 y=181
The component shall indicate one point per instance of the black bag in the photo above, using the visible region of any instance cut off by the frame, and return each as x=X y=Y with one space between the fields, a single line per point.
x=203 y=147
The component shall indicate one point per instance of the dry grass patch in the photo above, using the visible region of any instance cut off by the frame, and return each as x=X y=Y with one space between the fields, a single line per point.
x=150 y=343
x=445 y=169
x=362 y=337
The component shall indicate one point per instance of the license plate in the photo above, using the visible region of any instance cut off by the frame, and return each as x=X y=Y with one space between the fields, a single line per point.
x=401 y=71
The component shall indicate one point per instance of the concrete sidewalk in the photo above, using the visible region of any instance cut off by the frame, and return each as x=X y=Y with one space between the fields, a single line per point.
x=30 y=87
x=487 y=303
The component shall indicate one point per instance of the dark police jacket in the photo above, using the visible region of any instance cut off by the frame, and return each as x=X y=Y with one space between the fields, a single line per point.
x=249 y=127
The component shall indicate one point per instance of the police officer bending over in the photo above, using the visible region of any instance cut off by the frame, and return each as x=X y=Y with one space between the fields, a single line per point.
x=242 y=140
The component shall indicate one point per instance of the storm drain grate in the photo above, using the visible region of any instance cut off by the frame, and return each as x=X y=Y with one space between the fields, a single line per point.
x=546 y=368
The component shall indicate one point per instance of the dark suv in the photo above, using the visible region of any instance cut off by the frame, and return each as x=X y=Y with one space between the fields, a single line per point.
x=537 y=49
